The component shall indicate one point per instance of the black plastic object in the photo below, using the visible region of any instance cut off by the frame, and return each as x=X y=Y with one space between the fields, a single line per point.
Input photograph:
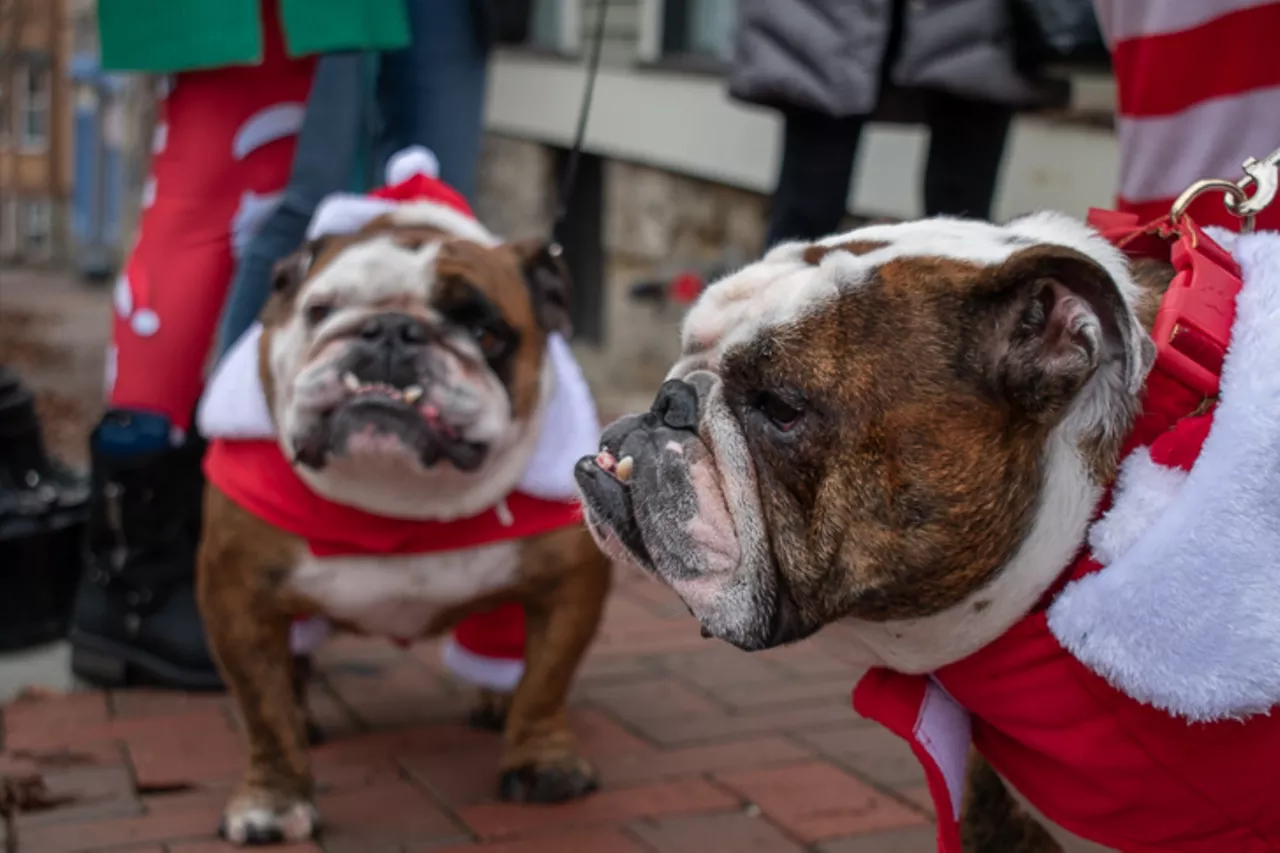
x=43 y=510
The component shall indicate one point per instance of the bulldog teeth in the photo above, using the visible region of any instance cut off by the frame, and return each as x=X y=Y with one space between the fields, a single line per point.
x=606 y=461
x=625 y=466
x=350 y=381
x=413 y=393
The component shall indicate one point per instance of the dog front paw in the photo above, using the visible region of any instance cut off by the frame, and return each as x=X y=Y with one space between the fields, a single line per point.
x=261 y=818
x=549 y=782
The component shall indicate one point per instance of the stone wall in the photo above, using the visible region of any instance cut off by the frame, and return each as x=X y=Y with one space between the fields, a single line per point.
x=657 y=224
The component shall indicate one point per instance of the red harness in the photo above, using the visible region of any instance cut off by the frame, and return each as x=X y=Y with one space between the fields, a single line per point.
x=1095 y=761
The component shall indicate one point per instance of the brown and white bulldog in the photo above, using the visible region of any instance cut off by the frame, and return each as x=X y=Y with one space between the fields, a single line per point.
x=908 y=429
x=406 y=369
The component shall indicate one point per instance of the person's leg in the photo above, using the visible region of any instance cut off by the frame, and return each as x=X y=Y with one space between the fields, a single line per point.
x=813 y=184
x=966 y=146
x=224 y=142
x=322 y=164
x=432 y=93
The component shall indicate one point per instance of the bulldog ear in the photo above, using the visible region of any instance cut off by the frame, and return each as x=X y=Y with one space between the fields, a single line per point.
x=547 y=276
x=289 y=272
x=1059 y=318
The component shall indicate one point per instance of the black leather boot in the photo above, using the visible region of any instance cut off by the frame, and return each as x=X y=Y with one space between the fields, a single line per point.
x=135 y=619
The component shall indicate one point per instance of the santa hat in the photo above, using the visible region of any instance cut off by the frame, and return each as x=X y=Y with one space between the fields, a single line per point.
x=487 y=649
x=413 y=195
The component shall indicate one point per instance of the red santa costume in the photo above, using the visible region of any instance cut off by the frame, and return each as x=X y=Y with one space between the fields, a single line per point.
x=246 y=462
x=1132 y=706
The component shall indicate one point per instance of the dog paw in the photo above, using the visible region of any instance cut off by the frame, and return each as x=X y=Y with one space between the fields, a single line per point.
x=568 y=779
x=252 y=823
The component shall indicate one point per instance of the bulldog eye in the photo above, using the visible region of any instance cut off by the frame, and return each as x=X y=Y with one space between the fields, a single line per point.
x=491 y=344
x=317 y=313
x=779 y=412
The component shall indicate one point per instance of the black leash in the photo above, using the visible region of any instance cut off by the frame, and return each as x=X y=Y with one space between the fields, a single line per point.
x=584 y=112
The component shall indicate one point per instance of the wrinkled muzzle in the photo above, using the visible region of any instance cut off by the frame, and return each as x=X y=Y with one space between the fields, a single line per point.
x=674 y=491
x=391 y=386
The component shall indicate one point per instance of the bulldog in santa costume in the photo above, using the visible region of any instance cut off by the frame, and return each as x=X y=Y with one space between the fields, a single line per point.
x=1033 y=471
x=391 y=452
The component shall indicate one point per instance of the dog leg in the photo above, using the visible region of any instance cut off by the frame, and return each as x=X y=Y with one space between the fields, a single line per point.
x=490 y=711
x=249 y=638
x=540 y=762
x=992 y=821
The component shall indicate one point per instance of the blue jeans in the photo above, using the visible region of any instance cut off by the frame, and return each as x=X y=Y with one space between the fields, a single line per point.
x=430 y=93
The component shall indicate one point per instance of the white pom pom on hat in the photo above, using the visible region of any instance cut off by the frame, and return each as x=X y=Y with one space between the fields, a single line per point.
x=414 y=160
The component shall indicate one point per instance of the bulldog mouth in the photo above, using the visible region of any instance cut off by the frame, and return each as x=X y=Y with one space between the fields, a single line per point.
x=381 y=408
x=609 y=494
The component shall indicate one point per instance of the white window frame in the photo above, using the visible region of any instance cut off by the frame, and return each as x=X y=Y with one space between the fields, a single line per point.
x=568 y=41
x=26 y=144
x=650 y=46
x=44 y=208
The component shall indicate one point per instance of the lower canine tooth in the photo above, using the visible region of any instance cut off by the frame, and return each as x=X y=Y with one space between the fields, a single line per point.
x=625 y=465
x=349 y=380
x=413 y=394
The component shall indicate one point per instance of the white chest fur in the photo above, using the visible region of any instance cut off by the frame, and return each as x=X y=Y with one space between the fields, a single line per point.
x=399 y=595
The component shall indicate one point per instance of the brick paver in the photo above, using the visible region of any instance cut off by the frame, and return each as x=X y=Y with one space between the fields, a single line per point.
x=700 y=747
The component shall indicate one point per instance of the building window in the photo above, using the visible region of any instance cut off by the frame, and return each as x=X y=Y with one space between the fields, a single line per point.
x=555 y=26
x=36 y=226
x=33 y=103
x=699 y=33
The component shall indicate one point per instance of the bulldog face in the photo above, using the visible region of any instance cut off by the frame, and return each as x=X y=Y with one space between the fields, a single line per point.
x=901 y=426
x=405 y=365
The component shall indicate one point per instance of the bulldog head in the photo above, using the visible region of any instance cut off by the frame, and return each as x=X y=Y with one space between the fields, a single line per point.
x=906 y=427
x=404 y=364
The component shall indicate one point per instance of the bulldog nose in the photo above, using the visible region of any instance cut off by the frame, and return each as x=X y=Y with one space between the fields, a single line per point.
x=394 y=329
x=677 y=405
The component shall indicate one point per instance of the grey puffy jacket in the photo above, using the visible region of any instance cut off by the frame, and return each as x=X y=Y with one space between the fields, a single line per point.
x=826 y=55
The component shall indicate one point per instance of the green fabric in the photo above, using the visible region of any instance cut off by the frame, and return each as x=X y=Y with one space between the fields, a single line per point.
x=166 y=36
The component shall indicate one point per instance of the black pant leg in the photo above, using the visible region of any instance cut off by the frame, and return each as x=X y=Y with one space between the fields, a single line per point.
x=813 y=184
x=966 y=146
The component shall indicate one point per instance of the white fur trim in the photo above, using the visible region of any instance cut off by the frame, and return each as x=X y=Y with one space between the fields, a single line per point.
x=945 y=730
x=494 y=673
x=570 y=429
x=414 y=160
x=1144 y=492
x=1188 y=618
x=234 y=405
x=346 y=213
x=447 y=219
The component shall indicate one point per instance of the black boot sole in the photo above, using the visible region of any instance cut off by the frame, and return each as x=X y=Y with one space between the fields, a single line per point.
x=110 y=664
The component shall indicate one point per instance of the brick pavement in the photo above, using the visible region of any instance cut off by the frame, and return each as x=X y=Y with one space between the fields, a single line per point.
x=700 y=747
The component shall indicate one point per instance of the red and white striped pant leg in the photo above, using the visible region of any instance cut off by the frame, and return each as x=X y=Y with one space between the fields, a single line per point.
x=1198 y=92
x=222 y=152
